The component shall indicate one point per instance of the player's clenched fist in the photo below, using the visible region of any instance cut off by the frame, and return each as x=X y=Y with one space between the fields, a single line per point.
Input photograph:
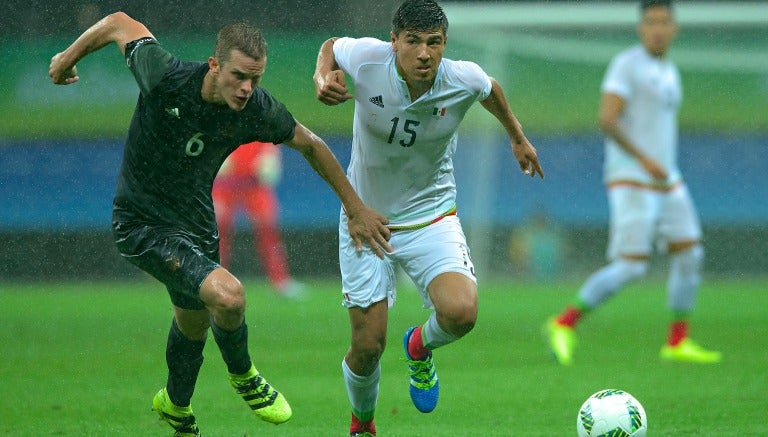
x=332 y=88
x=61 y=72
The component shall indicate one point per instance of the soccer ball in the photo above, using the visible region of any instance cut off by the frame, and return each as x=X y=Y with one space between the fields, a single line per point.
x=611 y=413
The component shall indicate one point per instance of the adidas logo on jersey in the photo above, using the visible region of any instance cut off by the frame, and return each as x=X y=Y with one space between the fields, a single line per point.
x=173 y=111
x=378 y=101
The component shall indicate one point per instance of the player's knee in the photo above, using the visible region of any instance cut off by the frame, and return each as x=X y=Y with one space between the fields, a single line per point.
x=459 y=317
x=631 y=269
x=689 y=261
x=368 y=349
x=233 y=300
x=369 y=354
x=229 y=298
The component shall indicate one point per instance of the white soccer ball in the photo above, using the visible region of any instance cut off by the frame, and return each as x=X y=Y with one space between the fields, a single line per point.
x=613 y=413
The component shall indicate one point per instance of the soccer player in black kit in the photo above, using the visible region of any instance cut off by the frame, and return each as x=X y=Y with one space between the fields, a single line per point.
x=188 y=118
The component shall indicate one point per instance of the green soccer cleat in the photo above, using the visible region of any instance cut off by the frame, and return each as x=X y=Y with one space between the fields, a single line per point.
x=562 y=341
x=689 y=351
x=266 y=402
x=181 y=419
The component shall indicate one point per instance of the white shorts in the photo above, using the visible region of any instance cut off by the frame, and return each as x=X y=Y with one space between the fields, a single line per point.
x=642 y=218
x=422 y=253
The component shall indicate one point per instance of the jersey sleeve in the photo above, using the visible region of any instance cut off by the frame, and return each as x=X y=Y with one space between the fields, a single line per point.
x=617 y=79
x=287 y=130
x=278 y=123
x=350 y=53
x=148 y=61
x=475 y=78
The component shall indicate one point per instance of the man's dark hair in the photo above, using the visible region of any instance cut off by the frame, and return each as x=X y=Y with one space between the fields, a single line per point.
x=419 y=15
x=645 y=4
x=241 y=36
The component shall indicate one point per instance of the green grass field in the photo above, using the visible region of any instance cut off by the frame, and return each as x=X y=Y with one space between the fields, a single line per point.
x=85 y=359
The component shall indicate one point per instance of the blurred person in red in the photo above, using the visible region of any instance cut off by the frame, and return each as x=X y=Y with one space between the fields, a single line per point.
x=246 y=182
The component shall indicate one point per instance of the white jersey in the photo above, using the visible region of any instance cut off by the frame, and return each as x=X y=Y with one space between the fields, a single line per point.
x=652 y=92
x=401 y=164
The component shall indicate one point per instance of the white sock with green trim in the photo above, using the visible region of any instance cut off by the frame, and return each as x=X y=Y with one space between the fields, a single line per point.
x=363 y=391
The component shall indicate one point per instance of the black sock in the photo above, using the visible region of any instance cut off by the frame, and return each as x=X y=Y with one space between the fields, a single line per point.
x=234 y=348
x=184 y=358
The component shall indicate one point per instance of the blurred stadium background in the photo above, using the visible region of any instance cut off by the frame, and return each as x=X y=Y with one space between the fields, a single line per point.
x=60 y=147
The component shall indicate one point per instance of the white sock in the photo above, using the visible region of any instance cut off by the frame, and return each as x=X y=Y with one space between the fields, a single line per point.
x=608 y=280
x=434 y=336
x=684 y=278
x=363 y=391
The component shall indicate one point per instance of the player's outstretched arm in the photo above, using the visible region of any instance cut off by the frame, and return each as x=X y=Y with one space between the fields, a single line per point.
x=496 y=103
x=365 y=225
x=117 y=27
x=330 y=82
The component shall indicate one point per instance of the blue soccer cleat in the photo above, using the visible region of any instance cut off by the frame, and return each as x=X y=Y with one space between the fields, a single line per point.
x=424 y=387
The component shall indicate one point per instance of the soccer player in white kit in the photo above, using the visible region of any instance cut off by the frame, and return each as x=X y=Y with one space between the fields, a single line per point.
x=409 y=102
x=649 y=201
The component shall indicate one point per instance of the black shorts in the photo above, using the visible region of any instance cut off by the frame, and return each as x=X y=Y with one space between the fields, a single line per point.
x=171 y=256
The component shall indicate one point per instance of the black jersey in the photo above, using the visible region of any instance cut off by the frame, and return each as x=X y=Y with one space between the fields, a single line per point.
x=177 y=142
